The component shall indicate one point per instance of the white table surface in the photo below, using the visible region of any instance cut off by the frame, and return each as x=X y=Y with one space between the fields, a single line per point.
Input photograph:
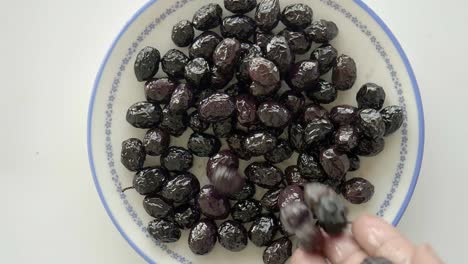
x=50 y=210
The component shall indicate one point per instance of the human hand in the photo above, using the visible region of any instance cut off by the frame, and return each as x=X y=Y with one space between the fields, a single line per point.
x=372 y=236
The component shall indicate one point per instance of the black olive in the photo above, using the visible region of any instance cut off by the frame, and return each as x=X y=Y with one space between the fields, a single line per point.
x=207 y=17
x=147 y=63
x=183 y=33
x=133 y=154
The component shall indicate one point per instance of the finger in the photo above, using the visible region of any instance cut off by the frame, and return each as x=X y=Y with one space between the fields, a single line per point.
x=425 y=254
x=302 y=257
x=378 y=238
x=343 y=250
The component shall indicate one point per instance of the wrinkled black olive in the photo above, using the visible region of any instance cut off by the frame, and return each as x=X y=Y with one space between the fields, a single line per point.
x=239 y=26
x=344 y=73
x=290 y=194
x=203 y=237
x=322 y=31
x=264 y=174
x=317 y=131
x=371 y=95
x=309 y=166
x=164 y=230
x=298 y=41
x=358 y=190
x=279 y=52
x=156 y=141
x=216 y=107
x=262 y=38
x=174 y=123
x=203 y=145
x=280 y=153
x=240 y=6
x=260 y=143
x=268 y=14
x=220 y=78
x=303 y=75
x=196 y=123
x=204 y=45
x=326 y=56
x=157 y=207
x=246 y=210
x=144 y=115
x=278 y=252
x=177 y=159
x=226 y=54
x=212 y=203
x=264 y=72
x=160 y=90
x=234 y=141
x=270 y=200
x=232 y=236
x=181 y=99
x=342 y=115
x=346 y=138
x=313 y=112
x=223 y=128
x=246 y=107
x=147 y=63
x=133 y=154
x=150 y=180
x=207 y=17
x=325 y=93
x=393 y=118
x=186 y=216
x=297 y=16
x=180 y=189
x=371 y=123
x=183 y=33
x=273 y=114
x=369 y=147
x=263 y=230
x=173 y=63
x=334 y=163
x=294 y=101
x=296 y=137
x=197 y=72
x=294 y=177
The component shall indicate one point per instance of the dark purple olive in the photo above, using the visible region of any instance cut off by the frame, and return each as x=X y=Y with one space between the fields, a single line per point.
x=156 y=141
x=393 y=118
x=186 y=216
x=220 y=78
x=157 y=207
x=269 y=200
x=226 y=54
x=173 y=63
x=326 y=56
x=240 y=6
x=290 y=194
x=207 y=17
x=304 y=75
x=164 y=230
x=344 y=73
x=309 y=166
x=273 y=114
x=324 y=93
x=346 y=138
x=371 y=123
x=232 y=236
x=160 y=90
x=278 y=252
x=203 y=145
x=268 y=14
x=246 y=107
x=204 y=45
x=144 y=115
x=216 y=107
x=147 y=63
x=181 y=99
x=264 y=174
x=280 y=153
x=262 y=91
x=313 y=112
x=203 y=237
x=317 y=131
x=334 y=163
x=263 y=230
x=297 y=16
x=296 y=137
x=279 y=52
x=150 y=180
x=197 y=72
x=342 y=115
x=293 y=176
x=298 y=41
x=246 y=211
x=177 y=159
x=322 y=31
x=133 y=154
x=358 y=190
x=235 y=142
x=212 y=203
x=238 y=26
x=262 y=39
x=370 y=95
x=258 y=144
x=180 y=189
x=183 y=33
x=294 y=101
x=369 y=147
x=196 y=123
x=264 y=72
x=174 y=123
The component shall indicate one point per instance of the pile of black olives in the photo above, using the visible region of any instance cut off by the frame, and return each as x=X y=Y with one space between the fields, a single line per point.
x=245 y=86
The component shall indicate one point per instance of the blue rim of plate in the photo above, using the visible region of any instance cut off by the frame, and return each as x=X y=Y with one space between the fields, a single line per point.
x=360 y=3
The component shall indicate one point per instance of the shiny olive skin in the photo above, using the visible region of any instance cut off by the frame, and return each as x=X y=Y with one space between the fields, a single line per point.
x=322 y=31
x=268 y=14
x=147 y=63
x=173 y=63
x=144 y=115
x=164 y=230
x=278 y=252
x=232 y=236
x=358 y=190
x=238 y=26
x=183 y=33
x=263 y=230
x=264 y=174
x=160 y=90
x=207 y=17
x=203 y=237
x=156 y=141
x=133 y=154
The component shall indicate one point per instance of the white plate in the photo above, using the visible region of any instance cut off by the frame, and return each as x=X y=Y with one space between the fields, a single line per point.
x=363 y=36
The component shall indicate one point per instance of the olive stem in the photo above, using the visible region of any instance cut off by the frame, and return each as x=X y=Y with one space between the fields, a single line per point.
x=128 y=188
